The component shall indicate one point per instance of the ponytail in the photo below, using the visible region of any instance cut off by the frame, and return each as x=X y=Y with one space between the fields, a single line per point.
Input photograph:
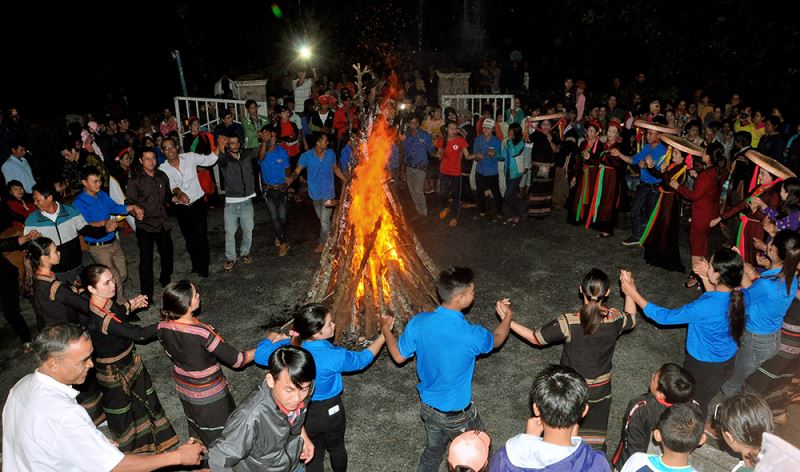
x=594 y=287
x=33 y=259
x=730 y=267
x=788 y=245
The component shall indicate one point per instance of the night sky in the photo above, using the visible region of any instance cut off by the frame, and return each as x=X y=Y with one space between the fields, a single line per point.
x=92 y=49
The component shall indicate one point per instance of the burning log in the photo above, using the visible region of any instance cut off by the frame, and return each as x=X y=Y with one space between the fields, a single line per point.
x=372 y=262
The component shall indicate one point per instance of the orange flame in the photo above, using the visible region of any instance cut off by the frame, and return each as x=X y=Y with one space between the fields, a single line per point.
x=369 y=209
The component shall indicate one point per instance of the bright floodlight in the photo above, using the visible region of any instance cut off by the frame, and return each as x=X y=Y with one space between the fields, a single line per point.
x=305 y=52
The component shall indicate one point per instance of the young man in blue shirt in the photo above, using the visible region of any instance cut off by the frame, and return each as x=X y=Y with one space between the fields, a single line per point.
x=486 y=148
x=321 y=164
x=99 y=210
x=649 y=160
x=275 y=166
x=417 y=146
x=446 y=346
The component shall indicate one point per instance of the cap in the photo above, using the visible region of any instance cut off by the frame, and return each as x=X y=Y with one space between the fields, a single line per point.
x=470 y=449
x=488 y=123
x=326 y=100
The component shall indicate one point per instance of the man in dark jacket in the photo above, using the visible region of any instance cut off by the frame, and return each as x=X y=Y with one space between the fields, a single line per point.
x=266 y=433
x=237 y=170
x=9 y=289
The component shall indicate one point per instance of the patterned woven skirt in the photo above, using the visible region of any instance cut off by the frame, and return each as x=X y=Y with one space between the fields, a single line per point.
x=135 y=417
x=541 y=195
x=594 y=426
x=206 y=399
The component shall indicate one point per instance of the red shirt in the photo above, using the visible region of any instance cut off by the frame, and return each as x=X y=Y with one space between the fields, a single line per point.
x=451 y=155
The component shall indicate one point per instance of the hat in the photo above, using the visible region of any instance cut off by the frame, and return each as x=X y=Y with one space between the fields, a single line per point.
x=488 y=123
x=326 y=100
x=471 y=449
x=771 y=165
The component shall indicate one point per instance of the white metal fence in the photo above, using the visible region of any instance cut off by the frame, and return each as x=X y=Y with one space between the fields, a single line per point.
x=476 y=103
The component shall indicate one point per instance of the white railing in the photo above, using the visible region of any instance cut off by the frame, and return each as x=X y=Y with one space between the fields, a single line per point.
x=476 y=103
x=207 y=111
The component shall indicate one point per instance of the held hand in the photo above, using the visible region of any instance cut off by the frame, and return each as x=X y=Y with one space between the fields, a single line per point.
x=758 y=202
x=275 y=337
x=753 y=206
x=190 y=452
x=386 y=321
x=627 y=282
x=615 y=152
x=139 y=301
x=648 y=161
x=674 y=184
x=642 y=164
x=308 y=448
x=30 y=236
x=503 y=308
x=769 y=227
x=693 y=173
x=534 y=426
x=759 y=244
x=714 y=222
x=111 y=225
x=183 y=198
x=701 y=269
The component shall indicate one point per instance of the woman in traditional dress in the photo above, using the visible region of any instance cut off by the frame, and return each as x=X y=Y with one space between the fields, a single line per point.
x=326 y=420
x=705 y=206
x=196 y=350
x=661 y=236
x=609 y=186
x=589 y=338
x=55 y=303
x=135 y=417
x=715 y=321
x=545 y=146
x=582 y=184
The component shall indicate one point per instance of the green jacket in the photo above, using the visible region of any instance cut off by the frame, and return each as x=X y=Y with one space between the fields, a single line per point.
x=251 y=129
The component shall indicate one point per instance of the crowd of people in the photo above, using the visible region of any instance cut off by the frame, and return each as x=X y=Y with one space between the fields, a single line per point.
x=725 y=164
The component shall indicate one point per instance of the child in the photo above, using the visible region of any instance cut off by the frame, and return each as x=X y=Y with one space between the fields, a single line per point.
x=679 y=431
x=670 y=385
x=469 y=452
x=743 y=420
x=559 y=396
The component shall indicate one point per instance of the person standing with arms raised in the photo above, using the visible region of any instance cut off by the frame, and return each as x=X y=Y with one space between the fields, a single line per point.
x=446 y=346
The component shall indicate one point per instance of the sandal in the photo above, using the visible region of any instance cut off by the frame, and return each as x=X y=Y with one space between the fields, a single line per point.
x=689 y=284
x=228 y=266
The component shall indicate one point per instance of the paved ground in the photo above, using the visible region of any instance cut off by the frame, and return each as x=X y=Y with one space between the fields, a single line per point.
x=537 y=264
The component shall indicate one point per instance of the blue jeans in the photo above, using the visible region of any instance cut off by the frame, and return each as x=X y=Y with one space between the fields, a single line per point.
x=238 y=215
x=440 y=429
x=276 y=204
x=324 y=214
x=754 y=351
x=644 y=202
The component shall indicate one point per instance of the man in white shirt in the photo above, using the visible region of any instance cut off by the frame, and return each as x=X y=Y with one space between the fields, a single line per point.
x=44 y=428
x=192 y=211
x=16 y=167
x=302 y=86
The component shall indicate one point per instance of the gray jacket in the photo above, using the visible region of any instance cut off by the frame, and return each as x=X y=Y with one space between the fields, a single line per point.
x=238 y=173
x=258 y=437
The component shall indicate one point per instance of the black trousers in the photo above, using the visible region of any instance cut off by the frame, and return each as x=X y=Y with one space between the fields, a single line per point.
x=9 y=300
x=709 y=377
x=192 y=220
x=325 y=426
x=146 y=240
x=489 y=182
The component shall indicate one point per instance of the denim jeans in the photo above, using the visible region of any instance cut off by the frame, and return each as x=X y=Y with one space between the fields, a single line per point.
x=324 y=214
x=238 y=215
x=644 y=202
x=276 y=204
x=511 y=196
x=440 y=429
x=754 y=351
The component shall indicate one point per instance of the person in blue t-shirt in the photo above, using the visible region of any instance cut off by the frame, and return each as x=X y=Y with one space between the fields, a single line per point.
x=446 y=346
x=325 y=424
x=649 y=160
x=487 y=177
x=766 y=300
x=321 y=164
x=275 y=168
x=715 y=321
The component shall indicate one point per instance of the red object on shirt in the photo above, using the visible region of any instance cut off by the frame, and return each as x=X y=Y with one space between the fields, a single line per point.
x=287 y=133
x=451 y=155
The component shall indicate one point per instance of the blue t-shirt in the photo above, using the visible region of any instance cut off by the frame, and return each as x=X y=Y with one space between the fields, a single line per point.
x=274 y=165
x=345 y=158
x=417 y=148
x=446 y=346
x=98 y=208
x=330 y=360
x=488 y=165
x=709 y=336
x=766 y=302
x=657 y=153
x=320 y=173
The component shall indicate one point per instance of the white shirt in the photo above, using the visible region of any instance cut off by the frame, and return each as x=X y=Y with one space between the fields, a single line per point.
x=186 y=177
x=44 y=429
x=302 y=92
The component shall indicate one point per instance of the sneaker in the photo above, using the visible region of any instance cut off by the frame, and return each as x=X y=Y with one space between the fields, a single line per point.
x=443 y=214
x=228 y=265
x=246 y=259
x=469 y=205
x=631 y=241
x=283 y=250
x=453 y=222
x=318 y=249
x=277 y=242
